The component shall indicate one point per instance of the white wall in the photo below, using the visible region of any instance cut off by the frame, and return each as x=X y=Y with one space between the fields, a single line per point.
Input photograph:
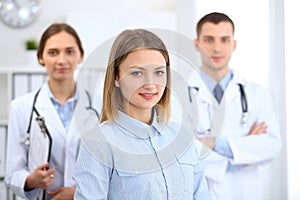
x=12 y=50
x=292 y=42
x=263 y=38
x=277 y=87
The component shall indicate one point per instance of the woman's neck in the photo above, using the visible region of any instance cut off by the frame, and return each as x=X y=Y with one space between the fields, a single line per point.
x=143 y=115
x=63 y=90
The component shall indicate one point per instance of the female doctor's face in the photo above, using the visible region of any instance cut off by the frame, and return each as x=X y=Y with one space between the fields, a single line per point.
x=142 y=80
x=61 y=56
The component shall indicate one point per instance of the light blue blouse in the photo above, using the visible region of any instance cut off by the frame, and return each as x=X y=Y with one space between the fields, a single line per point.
x=65 y=112
x=129 y=159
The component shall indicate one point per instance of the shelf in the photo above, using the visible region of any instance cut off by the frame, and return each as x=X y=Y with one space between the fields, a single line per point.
x=17 y=80
x=21 y=69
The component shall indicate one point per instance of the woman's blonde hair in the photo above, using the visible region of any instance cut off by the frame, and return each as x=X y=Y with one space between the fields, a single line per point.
x=126 y=42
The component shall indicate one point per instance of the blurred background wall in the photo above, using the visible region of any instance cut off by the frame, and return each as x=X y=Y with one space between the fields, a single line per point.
x=267 y=39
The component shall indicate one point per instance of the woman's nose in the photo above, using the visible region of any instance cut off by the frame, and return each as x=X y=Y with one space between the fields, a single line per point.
x=149 y=82
x=62 y=58
x=149 y=85
x=148 y=79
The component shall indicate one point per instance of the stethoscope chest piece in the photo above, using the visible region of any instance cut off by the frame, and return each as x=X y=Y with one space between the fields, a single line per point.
x=25 y=141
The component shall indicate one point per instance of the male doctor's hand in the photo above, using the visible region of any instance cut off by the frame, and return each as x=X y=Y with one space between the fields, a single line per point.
x=208 y=141
x=256 y=129
x=42 y=177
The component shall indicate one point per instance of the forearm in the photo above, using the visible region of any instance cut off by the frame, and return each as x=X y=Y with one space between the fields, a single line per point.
x=16 y=182
x=254 y=148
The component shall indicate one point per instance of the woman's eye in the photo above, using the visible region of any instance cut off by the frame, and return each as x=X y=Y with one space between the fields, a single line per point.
x=136 y=73
x=159 y=73
x=52 y=53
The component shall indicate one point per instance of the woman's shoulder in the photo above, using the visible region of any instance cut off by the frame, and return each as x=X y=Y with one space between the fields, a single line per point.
x=106 y=125
x=23 y=100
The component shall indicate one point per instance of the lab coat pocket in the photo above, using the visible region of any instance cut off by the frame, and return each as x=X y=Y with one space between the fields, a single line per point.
x=187 y=169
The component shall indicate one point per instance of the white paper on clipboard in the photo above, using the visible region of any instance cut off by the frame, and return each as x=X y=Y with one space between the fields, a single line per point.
x=40 y=142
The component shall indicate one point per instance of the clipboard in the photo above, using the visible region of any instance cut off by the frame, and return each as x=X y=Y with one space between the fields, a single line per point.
x=40 y=142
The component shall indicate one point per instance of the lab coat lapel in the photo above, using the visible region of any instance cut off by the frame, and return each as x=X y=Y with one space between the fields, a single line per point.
x=71 y=153
x=233 y=91
x=46 y=109
x=196 y=83
x=72 y=129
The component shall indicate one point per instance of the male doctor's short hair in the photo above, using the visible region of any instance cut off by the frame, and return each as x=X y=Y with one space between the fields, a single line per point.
x=214 y=18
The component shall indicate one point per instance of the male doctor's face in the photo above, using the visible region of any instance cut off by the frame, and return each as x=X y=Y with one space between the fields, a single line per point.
x=216 y=43
x=61 y=56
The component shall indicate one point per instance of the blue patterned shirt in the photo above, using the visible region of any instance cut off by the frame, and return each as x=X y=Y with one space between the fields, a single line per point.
x=128 y=159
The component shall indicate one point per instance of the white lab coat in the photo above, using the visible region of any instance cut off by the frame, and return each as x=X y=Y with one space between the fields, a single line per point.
x=64 y=144
x=254 y=151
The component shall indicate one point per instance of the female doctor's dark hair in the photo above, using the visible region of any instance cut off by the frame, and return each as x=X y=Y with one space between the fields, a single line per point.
x=54 y=29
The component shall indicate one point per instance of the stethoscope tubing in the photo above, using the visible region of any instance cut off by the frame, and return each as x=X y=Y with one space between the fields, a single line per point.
x=244 y=103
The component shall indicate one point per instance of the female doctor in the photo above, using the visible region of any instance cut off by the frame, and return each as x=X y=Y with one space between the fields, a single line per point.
x=60 y=51
x=238 y=125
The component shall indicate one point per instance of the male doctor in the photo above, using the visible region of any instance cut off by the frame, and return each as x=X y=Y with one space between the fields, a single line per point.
x=236 y=120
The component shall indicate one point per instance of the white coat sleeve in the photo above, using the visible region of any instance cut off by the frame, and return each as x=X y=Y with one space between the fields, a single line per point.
x=255 y=149
x=16 y=154
x=215 y=164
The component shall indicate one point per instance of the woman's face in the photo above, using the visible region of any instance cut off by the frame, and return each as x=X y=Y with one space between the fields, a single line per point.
x=142 y=80
x=61 y=56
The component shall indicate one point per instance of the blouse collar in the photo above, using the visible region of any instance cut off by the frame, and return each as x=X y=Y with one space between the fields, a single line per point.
x=138 y=129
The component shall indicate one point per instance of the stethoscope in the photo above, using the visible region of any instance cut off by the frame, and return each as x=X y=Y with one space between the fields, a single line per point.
x=90 y=104
x=41 y=120
x=244 y=104
x=25 y=141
